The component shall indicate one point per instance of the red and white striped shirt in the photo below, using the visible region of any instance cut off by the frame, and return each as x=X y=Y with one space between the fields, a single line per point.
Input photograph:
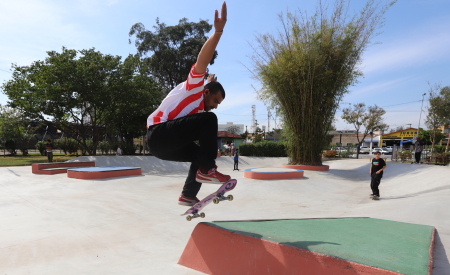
x=185 y=99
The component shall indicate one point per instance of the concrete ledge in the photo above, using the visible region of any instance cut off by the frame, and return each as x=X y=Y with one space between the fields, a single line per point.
x=103 y=172
x=314 y=246
x=308 y=167
x=38 y=167
x=272 y=173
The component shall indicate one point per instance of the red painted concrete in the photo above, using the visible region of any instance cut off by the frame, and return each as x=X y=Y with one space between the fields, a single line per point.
x=430 y=265
x=214 y=250
x=104 y=174
x=308 y=167
x=36 y=168
x=273 y=175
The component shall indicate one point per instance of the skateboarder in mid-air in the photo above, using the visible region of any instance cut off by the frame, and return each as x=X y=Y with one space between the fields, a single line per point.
x=183 y=117
x=376 y=173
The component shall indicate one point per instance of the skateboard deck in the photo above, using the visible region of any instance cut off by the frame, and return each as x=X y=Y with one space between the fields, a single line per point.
x=215 y=197
x=374 y=198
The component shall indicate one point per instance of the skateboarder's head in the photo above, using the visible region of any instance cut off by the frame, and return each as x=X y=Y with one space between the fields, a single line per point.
x=377 y=154
x=213 y=95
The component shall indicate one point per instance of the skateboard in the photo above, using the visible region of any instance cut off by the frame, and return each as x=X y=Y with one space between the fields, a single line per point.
x=215 y=197
x=374 y=198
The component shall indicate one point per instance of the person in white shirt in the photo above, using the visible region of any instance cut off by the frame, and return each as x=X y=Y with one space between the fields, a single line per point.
x=183 y=117
x=119 y=151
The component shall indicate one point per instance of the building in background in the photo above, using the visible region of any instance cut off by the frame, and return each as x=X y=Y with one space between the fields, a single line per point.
x=240 y=128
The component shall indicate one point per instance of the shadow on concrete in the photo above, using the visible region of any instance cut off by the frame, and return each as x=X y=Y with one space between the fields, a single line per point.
x=256 y=255
x=432 y=190
x=15 y=174
x=441 y=265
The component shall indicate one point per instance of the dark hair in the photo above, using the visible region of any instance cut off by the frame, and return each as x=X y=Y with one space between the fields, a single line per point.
x=49 y=140
x=377 y=153
x=214 y=87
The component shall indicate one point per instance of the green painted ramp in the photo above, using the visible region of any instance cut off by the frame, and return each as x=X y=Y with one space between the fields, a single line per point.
x=389 y=245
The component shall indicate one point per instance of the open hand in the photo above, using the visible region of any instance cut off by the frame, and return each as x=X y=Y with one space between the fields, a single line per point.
x=212 y=77
x=219 y=22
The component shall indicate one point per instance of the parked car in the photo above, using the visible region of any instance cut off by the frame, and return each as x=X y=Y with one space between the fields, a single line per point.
x=389 y=148
x=364 y=150
x=340 y=149
x=382 y=150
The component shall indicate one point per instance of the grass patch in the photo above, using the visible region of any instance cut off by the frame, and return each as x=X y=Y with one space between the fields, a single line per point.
x=30 y=159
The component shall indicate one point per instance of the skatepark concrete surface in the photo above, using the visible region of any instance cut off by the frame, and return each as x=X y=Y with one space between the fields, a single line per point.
x=51 y=224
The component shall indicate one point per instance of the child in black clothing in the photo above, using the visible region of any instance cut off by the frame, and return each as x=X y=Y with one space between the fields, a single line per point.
x=376 y=173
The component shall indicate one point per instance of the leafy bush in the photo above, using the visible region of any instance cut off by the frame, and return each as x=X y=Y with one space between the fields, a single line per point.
x=40 y=146
x=10 y=146
x=105 y=147
x=344 y=154
x=439 y=148
x=404 y=155
x=263 y=149
x=68 y=145
x=329 y=153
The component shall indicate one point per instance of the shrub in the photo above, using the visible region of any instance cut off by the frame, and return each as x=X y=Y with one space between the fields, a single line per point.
x=263 y=149
x=105 y=147
x=329 y=153
x=10 y=146
x=40 y=146
x=404 y=155
x=68 y=145
x=439 y=148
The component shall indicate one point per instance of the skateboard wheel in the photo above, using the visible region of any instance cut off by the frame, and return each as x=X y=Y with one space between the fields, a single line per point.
x=230 y=197
x=202 y=215
x=188 y=218
x=216 y=200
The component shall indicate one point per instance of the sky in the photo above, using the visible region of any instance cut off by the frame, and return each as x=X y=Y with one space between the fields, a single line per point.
x=411 y=52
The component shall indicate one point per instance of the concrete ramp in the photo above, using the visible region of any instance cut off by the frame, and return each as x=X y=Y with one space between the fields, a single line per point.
x=310 y=246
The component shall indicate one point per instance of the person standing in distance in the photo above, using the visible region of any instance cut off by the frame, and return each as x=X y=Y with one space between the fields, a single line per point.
x=376 y=173
x=418 y=149
x=49 y=149
x=183 y=117
x=236 y=160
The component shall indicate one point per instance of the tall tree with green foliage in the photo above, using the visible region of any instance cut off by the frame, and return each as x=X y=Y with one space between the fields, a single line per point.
x=170 y=51
x=307 y=68
x=369 y=118
x=134 y=96
x=438 y=112
x=16 y=129
x=86 y=93
x=442 y=109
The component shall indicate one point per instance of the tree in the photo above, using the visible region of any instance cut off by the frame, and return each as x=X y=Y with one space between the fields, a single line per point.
x=173 y=49
x=443 y=110
x=134 y=96
x=426 y=136
x=234 y=129
x=370 y=118
x=306 y=70
x=257 y=136
x=436 y=116
x=16 y=129
x=82 y=91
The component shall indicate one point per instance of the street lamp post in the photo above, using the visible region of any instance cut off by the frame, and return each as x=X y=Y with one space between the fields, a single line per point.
x=420 y=116
x=340 y=143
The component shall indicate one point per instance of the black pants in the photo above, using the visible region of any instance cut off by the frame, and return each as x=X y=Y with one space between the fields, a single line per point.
x=417 y=155
x=50 y=156
x=376 y=180
x=236 y=163
x=174 y=140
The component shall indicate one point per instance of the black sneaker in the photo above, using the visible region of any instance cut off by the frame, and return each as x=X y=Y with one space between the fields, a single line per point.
x=375 y=197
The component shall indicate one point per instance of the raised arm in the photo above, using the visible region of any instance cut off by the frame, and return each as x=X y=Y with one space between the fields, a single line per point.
x=207 y=51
